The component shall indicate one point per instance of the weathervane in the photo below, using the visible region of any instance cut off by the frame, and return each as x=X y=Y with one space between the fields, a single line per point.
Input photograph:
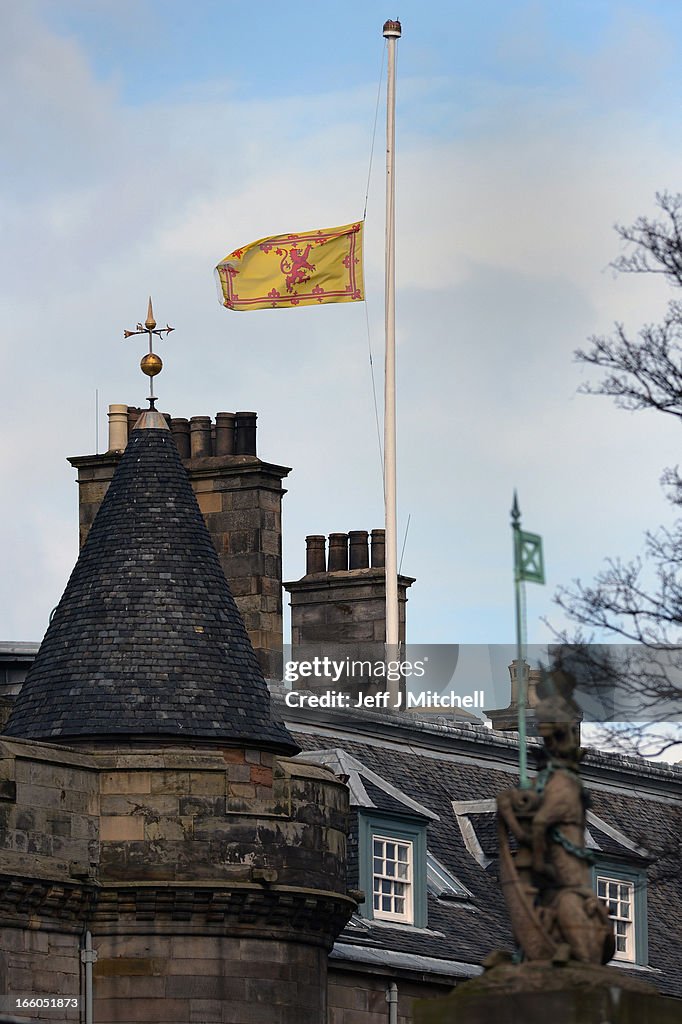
x=150 y=364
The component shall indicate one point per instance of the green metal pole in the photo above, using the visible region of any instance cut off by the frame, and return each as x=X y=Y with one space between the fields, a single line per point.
x=520 y=661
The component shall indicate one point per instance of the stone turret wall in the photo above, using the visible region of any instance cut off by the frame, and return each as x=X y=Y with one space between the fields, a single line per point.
x=49 y=856
x=212 y=880
x=229 y=816
x=207 y=979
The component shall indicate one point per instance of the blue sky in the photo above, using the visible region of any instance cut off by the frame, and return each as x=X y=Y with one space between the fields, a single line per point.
x=143 y=141
x=152 y=50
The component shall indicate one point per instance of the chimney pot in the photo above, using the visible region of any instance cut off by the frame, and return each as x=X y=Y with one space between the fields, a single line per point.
x=245 y=431
x=338 y=551
x=118 y=427
x=134 y=413
x=180 y=430
x=224 y=433
x=378 y=549
x=359 y=552
x=314 y=554
x=200 y=436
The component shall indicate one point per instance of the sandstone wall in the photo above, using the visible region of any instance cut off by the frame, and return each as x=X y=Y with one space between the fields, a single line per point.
x=212 y=882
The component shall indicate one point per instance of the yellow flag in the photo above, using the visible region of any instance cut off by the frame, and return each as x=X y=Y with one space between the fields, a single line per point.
x=295 y=270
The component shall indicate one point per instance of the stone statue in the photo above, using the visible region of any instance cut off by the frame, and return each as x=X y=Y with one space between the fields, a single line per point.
x=544 y=866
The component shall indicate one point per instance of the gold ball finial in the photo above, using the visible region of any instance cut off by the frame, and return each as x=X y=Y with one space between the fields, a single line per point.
x=151 y=364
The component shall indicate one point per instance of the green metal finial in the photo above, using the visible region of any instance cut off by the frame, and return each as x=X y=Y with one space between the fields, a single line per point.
x=516 y=511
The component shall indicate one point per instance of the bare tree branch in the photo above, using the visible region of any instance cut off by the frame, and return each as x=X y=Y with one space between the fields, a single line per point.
x=639 y=602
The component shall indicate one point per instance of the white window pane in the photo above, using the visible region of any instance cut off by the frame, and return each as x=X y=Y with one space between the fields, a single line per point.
x=392 y=879
x=617 y=896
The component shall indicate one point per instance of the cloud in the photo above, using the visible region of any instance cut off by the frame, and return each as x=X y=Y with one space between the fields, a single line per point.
x=505 y=210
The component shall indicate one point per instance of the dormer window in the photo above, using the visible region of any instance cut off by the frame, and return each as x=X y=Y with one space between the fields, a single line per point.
x=392 y=868
x=391 y=842
x=622 y=888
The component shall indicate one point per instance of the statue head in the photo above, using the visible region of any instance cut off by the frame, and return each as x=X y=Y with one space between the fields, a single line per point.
x=558 y=716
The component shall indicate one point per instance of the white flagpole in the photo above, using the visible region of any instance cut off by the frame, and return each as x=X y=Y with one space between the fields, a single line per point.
x=392 y=32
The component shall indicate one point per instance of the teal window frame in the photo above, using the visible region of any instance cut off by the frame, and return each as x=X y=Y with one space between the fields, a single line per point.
x=618 y=872
x=404 y=830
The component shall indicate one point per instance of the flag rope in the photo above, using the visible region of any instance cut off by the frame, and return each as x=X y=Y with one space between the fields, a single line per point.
x=374 y=396
x=374 y=129
x=364 y=218
x=402 y=551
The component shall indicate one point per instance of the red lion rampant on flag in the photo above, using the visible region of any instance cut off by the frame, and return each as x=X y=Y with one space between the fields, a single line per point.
x=294 y=265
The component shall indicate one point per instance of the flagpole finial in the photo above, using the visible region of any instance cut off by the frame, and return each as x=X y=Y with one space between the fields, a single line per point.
x=392 y=30
x=515 y=510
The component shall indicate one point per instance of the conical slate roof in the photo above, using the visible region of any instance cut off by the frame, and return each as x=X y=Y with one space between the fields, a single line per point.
x=147 y=640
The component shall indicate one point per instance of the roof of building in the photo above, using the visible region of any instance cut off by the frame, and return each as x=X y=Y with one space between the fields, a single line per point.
x=18 y=651
x=455 y=772
x=147 y=639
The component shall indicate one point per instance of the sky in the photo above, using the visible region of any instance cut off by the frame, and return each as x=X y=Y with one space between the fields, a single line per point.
x=143 y=141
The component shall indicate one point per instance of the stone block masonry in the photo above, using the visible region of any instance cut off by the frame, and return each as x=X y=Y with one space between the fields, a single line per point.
x=49 y=856
x=209 y=978
x=361 y=999
x=211 y=879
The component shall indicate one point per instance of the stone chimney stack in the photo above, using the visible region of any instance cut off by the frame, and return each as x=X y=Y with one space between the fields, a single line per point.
x=342 y=599
x=240 y=497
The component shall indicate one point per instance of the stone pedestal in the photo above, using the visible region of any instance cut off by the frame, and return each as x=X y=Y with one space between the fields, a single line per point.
x=540 y=993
